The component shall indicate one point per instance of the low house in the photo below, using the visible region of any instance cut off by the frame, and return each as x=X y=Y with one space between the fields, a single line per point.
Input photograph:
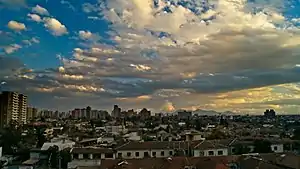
x=210 y=148
x=89 y=157
x=277 y=146
x=61 y=144
x=90 y=153
x=115 y=129
x=157 y=149
x=192 y=135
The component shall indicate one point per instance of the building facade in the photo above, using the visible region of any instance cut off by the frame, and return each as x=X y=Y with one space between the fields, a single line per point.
x=13 y=107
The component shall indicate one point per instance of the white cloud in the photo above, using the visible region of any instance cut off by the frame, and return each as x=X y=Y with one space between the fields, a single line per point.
x=85 y=35
x=40 y=10
x=64 y=2
x=93 y=18
x=141 y=67
x=12 y=48
x=55 y=26
x=16 y=26
x=200 y=56
x=34 y=17
x=31 y=41
x=88 y=8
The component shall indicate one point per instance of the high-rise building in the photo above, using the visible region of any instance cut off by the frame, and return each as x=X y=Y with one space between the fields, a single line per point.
x=22 y=109
x=116 y=111
x=13 y=107
x=88 y=112
x=31 y=113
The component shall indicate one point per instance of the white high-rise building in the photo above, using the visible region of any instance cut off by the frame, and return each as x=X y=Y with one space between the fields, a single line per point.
x=22 y=108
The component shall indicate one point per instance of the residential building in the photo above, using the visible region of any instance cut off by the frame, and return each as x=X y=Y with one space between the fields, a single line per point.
x=157 y=149
x=88 y=112
x=89 y=157
x=145 y=114
x=22 y=109
x=116 y=112
x=13 y=108
x=210 y=148
x=115 y=129
x=31 y=113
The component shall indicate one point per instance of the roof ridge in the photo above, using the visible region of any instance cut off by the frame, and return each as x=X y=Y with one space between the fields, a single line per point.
x=232 y=141
x=199 y=144
x=123 y=145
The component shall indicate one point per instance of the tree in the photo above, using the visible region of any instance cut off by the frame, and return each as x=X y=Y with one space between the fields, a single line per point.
x=296 y=134
x=41 y=138
x=198 y=124
x=262 y=146
x=53 y=154
x=65 y=158
x=216 y=134
x=10 y=140
x=241 y=149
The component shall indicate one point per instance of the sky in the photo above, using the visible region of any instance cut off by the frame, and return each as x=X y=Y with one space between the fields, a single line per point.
x=223 y=55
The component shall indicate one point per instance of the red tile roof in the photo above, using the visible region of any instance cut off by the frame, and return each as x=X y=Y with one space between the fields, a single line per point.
x=220 y=162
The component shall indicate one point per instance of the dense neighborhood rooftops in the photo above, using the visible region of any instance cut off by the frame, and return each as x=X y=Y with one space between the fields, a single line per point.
x=269 y=161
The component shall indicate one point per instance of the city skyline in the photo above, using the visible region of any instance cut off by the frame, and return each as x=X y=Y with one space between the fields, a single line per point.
x=164 y=55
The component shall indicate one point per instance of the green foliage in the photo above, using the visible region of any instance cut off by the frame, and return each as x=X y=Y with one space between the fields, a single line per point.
x=10 y=140
x=65 y=158
x=41 y=139
x=262 y=146
x=296 y=134
x=241 y=149
x=216 y=134
x=53 y=154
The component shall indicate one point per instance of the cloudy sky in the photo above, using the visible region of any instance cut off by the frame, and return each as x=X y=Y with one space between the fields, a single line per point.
x=223 y=55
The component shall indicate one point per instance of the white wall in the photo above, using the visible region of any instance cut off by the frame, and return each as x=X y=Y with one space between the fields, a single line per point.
x=83 y=163
x=198 y=137
x=279 y=148
x=91 y=156
x=141 y=153
x=198 y=153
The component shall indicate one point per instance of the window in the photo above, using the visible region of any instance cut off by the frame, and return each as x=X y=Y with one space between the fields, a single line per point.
x=154 y=154
x=137 y=154
x=146 y=154
x=170 y=153
x=210 y=153
x=162 y=153
x=220 y=152
x=109 y=155
x=119 y=155
x=97 y=156
x=275 y=148
x=233 y=150
x=128 y=154
x=85 y=156
x=75 y=156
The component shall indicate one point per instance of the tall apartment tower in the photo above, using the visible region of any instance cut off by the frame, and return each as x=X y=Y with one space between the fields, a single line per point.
x=22 y=109
x=12 y=107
